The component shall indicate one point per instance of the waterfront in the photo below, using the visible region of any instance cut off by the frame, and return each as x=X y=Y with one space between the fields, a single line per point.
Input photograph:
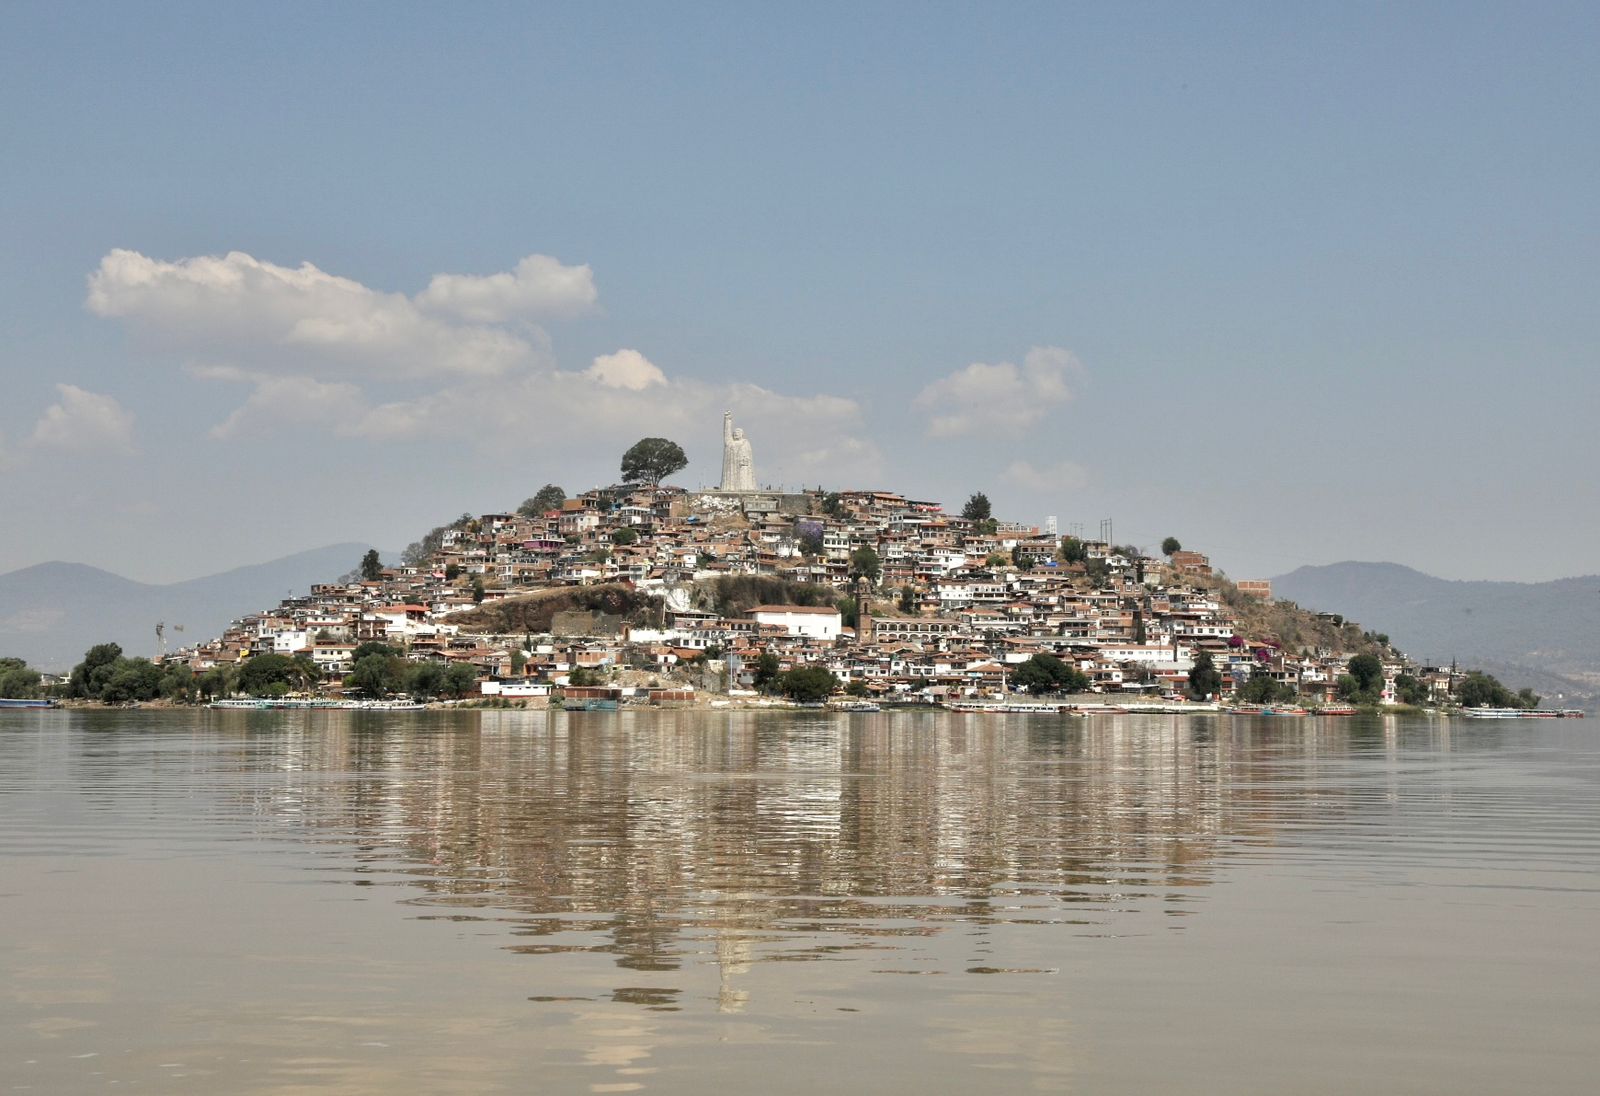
x=676 y=902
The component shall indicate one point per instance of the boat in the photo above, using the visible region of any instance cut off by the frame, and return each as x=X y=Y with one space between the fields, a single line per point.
x=1522 y=713
x=24 y=702
x=1336 y=709
x=856 y=706
x=590 y=704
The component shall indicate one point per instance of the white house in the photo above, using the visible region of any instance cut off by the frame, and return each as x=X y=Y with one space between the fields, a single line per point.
x=815 y=621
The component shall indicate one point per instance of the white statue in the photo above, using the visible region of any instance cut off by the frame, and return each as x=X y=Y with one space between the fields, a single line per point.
x=738 y=464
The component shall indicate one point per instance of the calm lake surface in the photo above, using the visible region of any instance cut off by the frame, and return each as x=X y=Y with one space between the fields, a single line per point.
x=690 y=902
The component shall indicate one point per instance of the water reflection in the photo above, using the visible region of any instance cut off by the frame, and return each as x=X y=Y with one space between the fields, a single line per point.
x=661 y=839
x=684 y=901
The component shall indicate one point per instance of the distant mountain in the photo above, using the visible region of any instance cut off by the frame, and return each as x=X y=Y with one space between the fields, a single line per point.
x=52 y=612
x=1542 y=634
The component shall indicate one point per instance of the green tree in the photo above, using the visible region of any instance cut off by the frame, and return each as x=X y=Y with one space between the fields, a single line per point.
x=908 y=599
x=1263 y=688
x=131 y=679
x=1045 y=673
x=460 y=680
x=424 y=680
x=374 y=647
x=377 y=675
x=90 y=676
x=833 y=505
x=1204 y=679
x=477 y=590
x=276 y=675
x=1367 y=669
x=1481 y=690
x=849 y=612
x=651 y=460
x=1170 y=545
x=864 y=563
x=857 y=687
x=808 y=684
x=625 y=536
x=371 y=566
x=1409 y=690
x=547 y=498
x=583 y=677
x=1073 y=550
x=18 y=680
x=977 y=508
x=765 y=674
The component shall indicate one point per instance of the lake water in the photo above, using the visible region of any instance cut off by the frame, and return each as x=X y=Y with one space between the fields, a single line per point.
x=689 y=902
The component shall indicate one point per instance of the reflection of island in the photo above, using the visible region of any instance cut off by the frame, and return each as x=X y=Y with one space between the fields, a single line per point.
x=736 y=838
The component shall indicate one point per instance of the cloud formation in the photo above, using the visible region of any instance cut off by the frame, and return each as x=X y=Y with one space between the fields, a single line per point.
x=460 y=362
x=84 y=422
x=243 y=311
x=539 y=286
x=1000 y=396
x=625 y=369
x=1062 y=475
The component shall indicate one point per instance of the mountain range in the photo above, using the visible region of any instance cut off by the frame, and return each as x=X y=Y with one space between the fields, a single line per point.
x=1544 y=635
x=52 y=612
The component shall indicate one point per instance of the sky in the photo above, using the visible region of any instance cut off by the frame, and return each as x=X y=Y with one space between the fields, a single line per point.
x=1293 y=283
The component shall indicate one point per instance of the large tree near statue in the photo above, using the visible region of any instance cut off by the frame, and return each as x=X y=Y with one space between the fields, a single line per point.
x=652 y=460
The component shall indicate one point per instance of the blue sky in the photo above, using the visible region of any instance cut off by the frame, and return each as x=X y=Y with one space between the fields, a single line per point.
x=1292 y=285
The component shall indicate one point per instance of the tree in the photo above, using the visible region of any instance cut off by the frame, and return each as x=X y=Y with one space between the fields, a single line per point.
x=1481 y=690
x=1045 y=673
x=460 y=679
x=908 y=599
x=1409 y=690
x=371 y=566
x=808 y=684
x=977 y=508
x=765 y=674
x=1073 y=550
x=833 y=505
x=1204 y=680
x=18 y=680
x=547 y=498
x=625 y=536
x=477 y=590
x=1367 y=669
x=90 y=676
x=1170 y=545
x=1263 y=688
x=424 y=680
x=373 y=647
x=864 y=563
x=377 y=675
x=276 y=675
x=652 y=460
x=857 y=687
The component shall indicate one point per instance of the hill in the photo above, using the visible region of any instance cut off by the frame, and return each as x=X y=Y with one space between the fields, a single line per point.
x=1541 y=634
x=51 y=613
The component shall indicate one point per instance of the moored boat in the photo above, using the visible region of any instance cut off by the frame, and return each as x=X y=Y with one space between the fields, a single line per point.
x=25 y=702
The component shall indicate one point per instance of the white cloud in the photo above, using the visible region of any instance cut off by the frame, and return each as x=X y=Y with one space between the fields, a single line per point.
x=625 y=369
x=800 y=438
x=84 y=422
x=538 y=286
x=1063 y=475
x=302 y=400
x=242 y=311
x=457 y=363
x=1000 y=396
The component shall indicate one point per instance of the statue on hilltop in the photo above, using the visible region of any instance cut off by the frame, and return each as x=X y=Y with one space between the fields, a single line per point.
x=738 y=463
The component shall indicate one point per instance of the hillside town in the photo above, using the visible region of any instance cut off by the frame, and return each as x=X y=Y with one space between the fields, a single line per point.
x=722 y=591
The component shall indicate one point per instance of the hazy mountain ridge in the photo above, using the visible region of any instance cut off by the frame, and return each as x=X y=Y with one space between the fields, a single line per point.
x=1542 y=634
x=51 y=613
